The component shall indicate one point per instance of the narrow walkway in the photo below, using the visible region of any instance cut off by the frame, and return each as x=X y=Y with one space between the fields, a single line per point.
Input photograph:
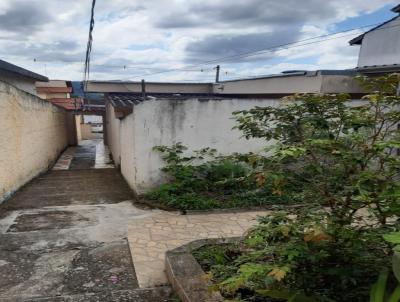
x=63 y=237
x=88 y=155
x=73 y=234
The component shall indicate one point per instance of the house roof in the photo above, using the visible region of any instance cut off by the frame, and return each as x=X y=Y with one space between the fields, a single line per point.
x=295 y=73
x=68 y=104
x=358 y=40
x=120 y=100
x=396 y=9
x=21 y=71
x=123 y=102
x=379 y=68
x=54 y=89
x=93 y=97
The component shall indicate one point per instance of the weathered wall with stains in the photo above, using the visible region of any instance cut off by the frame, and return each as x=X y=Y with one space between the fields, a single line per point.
x=78 y=123
x=86 y=130
x=197 y=124
x=33 y=133
x=113 y=134
x=127 y=148
x=23 y=83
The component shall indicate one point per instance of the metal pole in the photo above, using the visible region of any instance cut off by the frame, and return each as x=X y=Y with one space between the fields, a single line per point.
x=143 y=90
x=217 y=74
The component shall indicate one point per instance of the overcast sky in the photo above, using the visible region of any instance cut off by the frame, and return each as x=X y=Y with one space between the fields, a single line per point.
x=135 y=39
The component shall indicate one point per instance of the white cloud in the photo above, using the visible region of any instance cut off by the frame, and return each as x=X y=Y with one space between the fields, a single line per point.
x=155 y=35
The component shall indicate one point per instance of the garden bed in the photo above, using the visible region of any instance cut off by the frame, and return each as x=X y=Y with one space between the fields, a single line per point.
x=336 y=160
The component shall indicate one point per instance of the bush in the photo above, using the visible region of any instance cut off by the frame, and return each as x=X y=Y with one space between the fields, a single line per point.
x=341 y=155
x=205 y=180
x=303 y=256
x=341 y=161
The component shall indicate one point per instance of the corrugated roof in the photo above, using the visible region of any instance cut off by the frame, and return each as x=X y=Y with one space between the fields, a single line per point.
x=379 y=68
x=54 y=89
x=21 y=71
x=68 y=104
x=121 y=100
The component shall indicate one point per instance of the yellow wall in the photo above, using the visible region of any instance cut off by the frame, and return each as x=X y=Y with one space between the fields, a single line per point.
x=78 y=121
x=33 y=133
x=86 y=130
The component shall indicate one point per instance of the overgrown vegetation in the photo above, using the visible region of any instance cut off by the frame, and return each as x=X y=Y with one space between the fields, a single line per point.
x=205 y=180
x=340 y=159
x=300 y=258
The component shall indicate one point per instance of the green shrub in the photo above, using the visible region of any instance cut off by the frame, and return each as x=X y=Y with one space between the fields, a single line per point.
x=340 y=160
x=302 y=256
x=205 y=180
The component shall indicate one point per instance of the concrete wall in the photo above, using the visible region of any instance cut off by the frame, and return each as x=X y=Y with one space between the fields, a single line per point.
x=72 y=131
x=381 y=46
x=78 y=122
x=33 y=133
x=197 y=124
x=23 y=83
x=151 y=87
x=271 y=85
x=113 y=134
x=280 y=84
x=86 y=130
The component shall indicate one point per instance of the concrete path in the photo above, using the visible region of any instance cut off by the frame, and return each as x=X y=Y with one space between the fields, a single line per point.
x=87 y=155
x=63 y=237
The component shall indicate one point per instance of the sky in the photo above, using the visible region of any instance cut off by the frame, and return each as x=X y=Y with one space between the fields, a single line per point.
x=174 y=40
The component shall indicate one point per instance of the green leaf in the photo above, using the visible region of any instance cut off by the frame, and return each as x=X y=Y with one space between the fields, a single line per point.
x=395 y=296
x=378 y=289
x=396 y=265
x=393 y=237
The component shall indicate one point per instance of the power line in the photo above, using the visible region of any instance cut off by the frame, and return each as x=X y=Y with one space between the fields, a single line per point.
x=196 y=67
x=269 y=49
x=86 y=72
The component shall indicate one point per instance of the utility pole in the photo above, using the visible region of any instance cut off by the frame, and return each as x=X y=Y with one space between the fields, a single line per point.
x=217 y=74
x=143 y=90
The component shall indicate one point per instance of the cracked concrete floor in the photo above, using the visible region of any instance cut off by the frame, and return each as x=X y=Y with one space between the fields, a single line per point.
x=63 y=238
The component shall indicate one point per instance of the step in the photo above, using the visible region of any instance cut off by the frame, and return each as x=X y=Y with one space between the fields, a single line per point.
x=156 y=294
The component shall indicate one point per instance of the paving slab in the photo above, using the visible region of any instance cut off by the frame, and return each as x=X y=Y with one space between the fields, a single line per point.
x=151 y=237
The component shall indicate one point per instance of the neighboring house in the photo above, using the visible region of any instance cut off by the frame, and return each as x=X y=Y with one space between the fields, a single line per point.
x=54 y=89
x=141 y=115
x=380 y=47
x=320 y=81
x=58 y=92
x=19 y=77
x=91 y=101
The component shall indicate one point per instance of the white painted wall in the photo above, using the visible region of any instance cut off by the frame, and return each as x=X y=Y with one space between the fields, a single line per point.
x=113 y=134
x=127 y=149
x=381 y=46
x=197 y=124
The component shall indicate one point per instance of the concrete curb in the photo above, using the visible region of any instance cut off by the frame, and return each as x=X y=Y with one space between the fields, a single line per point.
x=186 y=275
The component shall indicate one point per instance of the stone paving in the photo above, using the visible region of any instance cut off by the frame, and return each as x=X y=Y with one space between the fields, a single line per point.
x=149 y=238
